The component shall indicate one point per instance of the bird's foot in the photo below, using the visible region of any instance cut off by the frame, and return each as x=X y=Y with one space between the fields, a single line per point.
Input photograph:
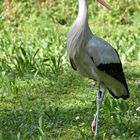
x=93 y=125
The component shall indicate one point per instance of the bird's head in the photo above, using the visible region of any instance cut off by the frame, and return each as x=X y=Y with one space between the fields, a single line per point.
x=103 y=3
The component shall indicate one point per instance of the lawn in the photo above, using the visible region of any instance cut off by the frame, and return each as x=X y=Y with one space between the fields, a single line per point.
x=41 y=97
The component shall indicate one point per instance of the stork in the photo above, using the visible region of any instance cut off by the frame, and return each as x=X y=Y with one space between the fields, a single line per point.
x=96 y=59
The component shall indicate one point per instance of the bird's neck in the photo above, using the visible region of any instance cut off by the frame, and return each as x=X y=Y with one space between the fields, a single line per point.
x=83 y=12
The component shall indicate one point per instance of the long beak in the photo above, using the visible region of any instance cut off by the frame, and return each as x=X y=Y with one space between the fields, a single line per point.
x=104 y=3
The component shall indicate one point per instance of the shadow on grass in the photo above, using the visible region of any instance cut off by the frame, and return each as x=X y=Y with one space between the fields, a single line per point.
x=70 y=121
x=58 y=123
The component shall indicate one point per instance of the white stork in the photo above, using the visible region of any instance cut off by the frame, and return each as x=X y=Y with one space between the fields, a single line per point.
x=95 y=58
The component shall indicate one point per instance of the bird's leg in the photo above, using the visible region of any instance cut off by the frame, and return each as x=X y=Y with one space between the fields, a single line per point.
x=100 y=96
x=95 y=121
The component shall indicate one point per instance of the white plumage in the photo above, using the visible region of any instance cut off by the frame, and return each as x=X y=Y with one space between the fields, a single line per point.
x=95 y=58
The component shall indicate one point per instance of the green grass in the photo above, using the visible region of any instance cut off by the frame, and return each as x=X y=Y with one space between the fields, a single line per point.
x=41 y=97
x=62 y=107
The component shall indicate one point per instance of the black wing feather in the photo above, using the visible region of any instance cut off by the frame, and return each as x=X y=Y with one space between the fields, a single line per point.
x=116 y=71
x=73 y=64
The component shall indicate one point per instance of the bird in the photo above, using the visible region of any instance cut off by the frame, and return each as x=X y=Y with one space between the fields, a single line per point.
x=95 y=58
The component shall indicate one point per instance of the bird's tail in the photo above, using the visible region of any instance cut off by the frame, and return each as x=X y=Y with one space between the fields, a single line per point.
x=121 y=96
